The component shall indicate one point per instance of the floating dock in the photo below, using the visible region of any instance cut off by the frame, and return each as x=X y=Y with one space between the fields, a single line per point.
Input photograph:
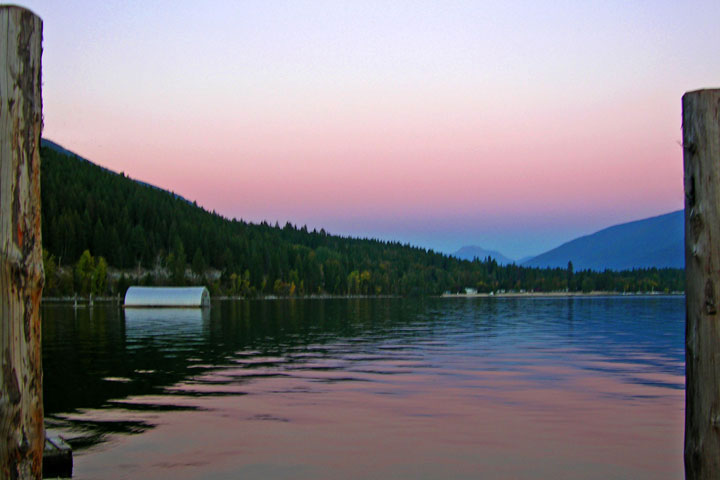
x=57 y=458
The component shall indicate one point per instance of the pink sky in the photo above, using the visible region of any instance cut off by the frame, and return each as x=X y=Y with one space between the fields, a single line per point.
x=511 y=125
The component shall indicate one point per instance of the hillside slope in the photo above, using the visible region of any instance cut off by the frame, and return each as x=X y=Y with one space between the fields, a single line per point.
x=159 y=238
x=651 y=242
x=131 y=223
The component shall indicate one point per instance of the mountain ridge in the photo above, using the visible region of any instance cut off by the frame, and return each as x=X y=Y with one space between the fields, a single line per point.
x=656 y=241
x=471 y=252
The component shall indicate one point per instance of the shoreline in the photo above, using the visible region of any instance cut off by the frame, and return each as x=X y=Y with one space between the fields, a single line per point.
x=85 y=301
x=593 y=293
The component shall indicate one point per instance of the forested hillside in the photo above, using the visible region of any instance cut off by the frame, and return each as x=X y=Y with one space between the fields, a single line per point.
x=167 y=240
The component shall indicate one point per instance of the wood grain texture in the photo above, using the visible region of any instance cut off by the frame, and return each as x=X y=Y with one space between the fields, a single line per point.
x=21 y=275
x=701 y=145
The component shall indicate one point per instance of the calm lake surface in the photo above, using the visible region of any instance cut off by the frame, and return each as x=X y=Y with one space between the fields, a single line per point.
x=560 y=388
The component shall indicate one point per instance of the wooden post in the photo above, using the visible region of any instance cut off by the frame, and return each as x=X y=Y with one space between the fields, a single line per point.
x=701 y=145
x=21 y=274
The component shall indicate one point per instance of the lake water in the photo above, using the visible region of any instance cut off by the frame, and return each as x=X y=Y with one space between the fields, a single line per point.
x=523 y=388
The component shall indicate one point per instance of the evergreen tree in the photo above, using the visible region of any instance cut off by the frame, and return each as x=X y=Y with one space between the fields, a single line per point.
x=99 y=278
x=84 y=272
x=198 y=262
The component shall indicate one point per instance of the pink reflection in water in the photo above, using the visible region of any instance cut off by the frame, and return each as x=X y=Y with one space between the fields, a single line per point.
x=384 y=417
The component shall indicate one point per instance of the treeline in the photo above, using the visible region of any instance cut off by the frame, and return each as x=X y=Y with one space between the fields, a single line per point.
x=157 y=237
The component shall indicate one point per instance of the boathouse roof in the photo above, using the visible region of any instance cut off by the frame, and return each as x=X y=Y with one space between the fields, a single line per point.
x=167 y=297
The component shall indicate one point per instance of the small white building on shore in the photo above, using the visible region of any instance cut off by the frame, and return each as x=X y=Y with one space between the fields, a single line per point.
x=167 y=297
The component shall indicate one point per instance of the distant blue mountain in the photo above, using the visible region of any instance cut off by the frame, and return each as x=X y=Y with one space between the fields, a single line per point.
x=651 y=242
x=471 y=252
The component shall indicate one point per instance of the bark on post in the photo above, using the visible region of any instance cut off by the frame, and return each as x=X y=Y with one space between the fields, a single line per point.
x=701 y=145
x=22 y=436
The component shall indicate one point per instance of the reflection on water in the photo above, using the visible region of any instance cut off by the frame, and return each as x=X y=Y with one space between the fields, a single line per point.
x=383 y=388
x=186 y=324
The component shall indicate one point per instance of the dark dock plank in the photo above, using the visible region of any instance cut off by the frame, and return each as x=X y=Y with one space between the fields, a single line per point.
x=57 y=458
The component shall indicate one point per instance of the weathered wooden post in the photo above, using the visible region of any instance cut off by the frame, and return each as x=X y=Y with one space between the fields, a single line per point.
x=701 y=145
x=21 y=273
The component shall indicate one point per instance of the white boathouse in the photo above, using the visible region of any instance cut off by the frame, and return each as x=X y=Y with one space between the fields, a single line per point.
x=167 y=297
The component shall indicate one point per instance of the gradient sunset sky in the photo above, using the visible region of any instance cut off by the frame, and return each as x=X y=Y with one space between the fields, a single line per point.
x=514 y=125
